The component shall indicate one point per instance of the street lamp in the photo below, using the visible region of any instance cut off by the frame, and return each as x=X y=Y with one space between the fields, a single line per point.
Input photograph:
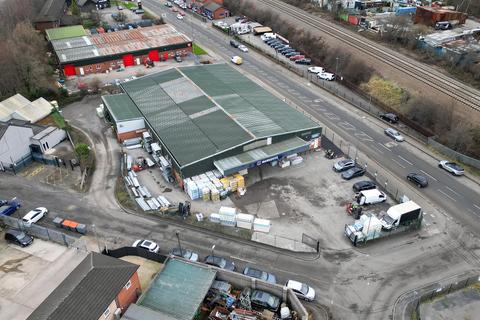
x=213 y=250
x=336 y=66
x=177 y=233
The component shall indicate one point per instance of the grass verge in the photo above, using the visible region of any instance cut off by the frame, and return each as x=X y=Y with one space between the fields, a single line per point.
x=198 y=50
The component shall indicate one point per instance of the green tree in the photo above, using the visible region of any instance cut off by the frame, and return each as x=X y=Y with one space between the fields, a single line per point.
x=82 y=151
x=74 y=8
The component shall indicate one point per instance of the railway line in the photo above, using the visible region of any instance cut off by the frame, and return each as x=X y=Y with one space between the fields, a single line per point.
x=429 y=76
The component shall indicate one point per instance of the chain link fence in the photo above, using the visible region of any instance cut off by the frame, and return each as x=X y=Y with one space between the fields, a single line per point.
x=454 y=154
x=45 y=233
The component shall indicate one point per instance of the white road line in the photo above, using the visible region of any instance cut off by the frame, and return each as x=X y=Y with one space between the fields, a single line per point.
x=377 y=149
x=241 y=259
x=454 y=191
x=401 y=165
x=475 y=213
x=381 y=144
x=429 y=175
x=406 y=160
x=447 y=195
x=476 y=206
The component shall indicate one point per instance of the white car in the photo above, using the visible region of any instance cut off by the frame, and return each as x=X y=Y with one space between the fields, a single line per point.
x=302 y=290
x=243 y=48
x=394 y=134
x=316 y=70
x=34 y=216
x=326 y=76
x=179 y=17
x=451 y=167
x=147 y=245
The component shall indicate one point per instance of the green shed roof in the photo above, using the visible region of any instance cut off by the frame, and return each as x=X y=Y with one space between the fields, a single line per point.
x=121 y=107
x=65 y=32
x=179 y=289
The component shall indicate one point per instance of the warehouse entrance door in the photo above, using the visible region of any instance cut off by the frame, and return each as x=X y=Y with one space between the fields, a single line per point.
x=69 y=70
x=153 y=55
x=128 y=60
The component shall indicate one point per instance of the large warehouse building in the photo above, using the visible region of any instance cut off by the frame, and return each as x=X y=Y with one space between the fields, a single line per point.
x=212 y=117
x=86 y=54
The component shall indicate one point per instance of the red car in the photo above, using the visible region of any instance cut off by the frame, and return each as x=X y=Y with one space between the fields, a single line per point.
x=297 y=57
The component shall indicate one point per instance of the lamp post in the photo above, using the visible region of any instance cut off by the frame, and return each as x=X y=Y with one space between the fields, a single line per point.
x=336 y=66
x=177 y=233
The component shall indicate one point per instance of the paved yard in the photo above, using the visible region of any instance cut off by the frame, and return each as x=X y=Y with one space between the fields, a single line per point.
x=461 y=305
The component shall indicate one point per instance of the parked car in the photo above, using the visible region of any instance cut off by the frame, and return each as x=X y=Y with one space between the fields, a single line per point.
x=281 y=47
x=234 y=43
x=297 y=57
x=291 y=54
x=353 y=172
x=390 y=117
x=302 y=290
x=182 y=13
x=371 y=196
x=179 y=17
x=343 y=165
x=220 y=262
x=237 y=60
x=147 y=245
x=326 y=76
x=168 y=4
x=418 y=179
x=18 y=237
x=119 y=7
x=178 y=58
x=451 y=167
x=394 y=134
x=316 y=70
x=286 y=50
x=34 y=216
x=264 y=300
x=185 y=253
x=139 y=11
x=363 y=185
x=259 y=274
x=306 y=61
x=443 y=25
x=243 y=48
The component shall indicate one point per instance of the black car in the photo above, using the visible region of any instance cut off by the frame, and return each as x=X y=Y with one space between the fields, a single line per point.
x=353 y=172
x=18 y=237
x=418 y=179
x=390 y=117
x=178 y=58
x=234 y=43
x=220 y=262
x=364 y=185
x=291 y=54
x=264 y=300
x=305 y=61
x=271 y=41
x=287 y=50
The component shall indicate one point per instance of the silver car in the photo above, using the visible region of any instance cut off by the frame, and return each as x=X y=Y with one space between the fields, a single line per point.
x=394 y=134
x=343 y=165
x=451 y=167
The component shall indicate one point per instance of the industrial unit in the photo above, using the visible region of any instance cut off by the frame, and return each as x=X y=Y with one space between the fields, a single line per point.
x=103 y=52
x=212 y=117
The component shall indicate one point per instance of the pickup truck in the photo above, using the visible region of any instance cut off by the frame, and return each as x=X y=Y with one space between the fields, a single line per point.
x=8 y=207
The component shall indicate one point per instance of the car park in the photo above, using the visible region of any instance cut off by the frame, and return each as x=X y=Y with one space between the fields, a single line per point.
x=243 y=48
x=234 y=43
x=146 y=245
x=302 y=290
x=260 y=274
x=264 y=300
x=451 y=167
x=353 y=173
x=326 y=76
x=418 y=179
x=394 y=134
x=316 y=70
x=220 y=262
x=363 y=185
x=305 y=61
x=344 y=165
x=390 y=117
x=184 y=253
x=34 y=216
x=18 y=237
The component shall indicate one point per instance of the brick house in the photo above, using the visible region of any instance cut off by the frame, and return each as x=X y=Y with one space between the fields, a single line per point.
x=214 y=10
x=99 y=288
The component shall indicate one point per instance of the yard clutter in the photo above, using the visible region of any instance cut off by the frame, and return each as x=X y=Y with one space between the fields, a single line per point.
x=70 y=225
x=210 y=186
x=228 y=216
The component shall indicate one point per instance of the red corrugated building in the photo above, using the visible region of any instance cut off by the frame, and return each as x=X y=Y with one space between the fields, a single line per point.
x=430 y=16
x=109 y=51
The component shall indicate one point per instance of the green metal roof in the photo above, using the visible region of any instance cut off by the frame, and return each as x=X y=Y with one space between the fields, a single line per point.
x=121 y=107
x=65 y=32
x=179 y=289
x=236 y=163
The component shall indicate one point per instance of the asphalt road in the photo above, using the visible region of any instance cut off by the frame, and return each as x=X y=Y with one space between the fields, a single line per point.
x=457 y=196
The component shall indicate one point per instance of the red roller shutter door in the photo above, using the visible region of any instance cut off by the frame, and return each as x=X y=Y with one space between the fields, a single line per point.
x=128 y=60
x=153 y=55
x=69 y=70
x=165 y=56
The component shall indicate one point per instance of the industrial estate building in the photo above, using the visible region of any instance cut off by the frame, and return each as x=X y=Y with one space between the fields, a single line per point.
x=210 y=117
x=84 y=54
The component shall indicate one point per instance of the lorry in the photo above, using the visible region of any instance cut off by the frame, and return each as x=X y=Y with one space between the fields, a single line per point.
x=8 y=207
x=398 y=218
x=401 y=214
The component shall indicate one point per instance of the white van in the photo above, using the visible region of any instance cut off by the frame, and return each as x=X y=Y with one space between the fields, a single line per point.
x=370 y=197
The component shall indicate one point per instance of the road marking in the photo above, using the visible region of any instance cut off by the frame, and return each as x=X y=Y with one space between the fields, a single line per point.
x=476 y=206
x=362 y=136
x=447 y=195
x=398 y=163
x=332 y=116
x=347 y=126
x=377 y=149
x=432 y=215
x=241 y=259
x=475 y=213
x=453 y=191
x=406 y=160
x=381 y=144
x=429 y=175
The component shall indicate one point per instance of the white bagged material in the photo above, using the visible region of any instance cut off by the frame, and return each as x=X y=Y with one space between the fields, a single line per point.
x=262 y=225
x=214 y=217
x=228 y=211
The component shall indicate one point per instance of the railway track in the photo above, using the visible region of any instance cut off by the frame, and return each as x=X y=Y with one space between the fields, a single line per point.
x=447 y=85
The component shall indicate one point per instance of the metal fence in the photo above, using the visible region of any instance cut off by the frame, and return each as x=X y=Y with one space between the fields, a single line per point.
x=311 y=242
x=134 y=251
x=45 y=233
x=24 y=161
x=454 y=154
